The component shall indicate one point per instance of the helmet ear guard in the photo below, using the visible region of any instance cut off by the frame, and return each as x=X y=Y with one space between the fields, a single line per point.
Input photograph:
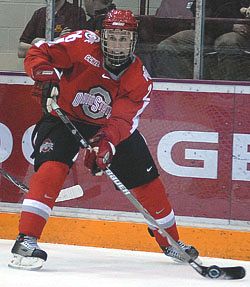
x=122 y=26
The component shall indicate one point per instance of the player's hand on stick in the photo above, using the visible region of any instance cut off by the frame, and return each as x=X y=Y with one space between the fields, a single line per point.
x=99 y=157
x=46 y=85
x=50 y=91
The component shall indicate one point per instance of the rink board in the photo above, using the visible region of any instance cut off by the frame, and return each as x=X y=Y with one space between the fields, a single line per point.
x=220 y=243
x=198 y=134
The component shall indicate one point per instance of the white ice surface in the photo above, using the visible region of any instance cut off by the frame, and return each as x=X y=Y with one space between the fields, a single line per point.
x=77 y=266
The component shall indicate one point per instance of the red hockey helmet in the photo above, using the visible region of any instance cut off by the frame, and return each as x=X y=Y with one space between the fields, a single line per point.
x=119 y=36
x=120 y=19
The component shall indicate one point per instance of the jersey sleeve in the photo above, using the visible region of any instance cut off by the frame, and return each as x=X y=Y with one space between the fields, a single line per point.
x=127 y=109
x=62 y=53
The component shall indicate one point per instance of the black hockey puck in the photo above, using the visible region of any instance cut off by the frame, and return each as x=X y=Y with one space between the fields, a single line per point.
x=214 y=272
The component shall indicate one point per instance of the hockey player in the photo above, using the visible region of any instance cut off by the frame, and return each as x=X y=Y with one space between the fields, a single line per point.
x=104 y=89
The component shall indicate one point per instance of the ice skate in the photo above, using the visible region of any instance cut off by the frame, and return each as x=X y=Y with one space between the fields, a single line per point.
x=27 y=254
x=177 y=256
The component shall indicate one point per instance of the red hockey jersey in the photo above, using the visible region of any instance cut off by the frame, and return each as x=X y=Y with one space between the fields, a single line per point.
x=88 y=91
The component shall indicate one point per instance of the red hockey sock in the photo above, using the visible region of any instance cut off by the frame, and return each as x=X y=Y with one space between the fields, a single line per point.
x=155 y=200
x=45 y=186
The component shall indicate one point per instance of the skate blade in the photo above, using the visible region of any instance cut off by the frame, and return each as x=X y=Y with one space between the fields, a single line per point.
x=197 y=260
x=26 y=263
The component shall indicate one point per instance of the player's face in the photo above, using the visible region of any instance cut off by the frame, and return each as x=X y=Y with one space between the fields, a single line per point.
x=119 y=42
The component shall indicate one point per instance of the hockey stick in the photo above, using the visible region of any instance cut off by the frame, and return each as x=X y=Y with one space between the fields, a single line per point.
x=65 y=194
x=213 y=272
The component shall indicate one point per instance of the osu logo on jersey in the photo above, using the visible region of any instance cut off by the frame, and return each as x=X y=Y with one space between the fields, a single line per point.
x=95 y=103
x=46 y=146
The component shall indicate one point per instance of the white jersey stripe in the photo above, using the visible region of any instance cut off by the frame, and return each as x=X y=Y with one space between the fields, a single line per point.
x=164 y=222
x=38 y=205
x=136 y=118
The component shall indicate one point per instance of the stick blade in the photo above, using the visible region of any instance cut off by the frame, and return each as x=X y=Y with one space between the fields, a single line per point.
x=224 y=273
x=230 y=273
x=70 y=193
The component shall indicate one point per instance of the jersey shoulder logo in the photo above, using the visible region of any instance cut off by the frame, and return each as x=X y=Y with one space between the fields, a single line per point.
x=91 y=38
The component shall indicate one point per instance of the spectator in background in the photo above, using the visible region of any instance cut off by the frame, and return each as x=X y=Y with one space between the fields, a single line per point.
x=174 y=57
x=97 y=10
x=233 y=50
x=147 y=40
x=174 y=8
x=68 y=17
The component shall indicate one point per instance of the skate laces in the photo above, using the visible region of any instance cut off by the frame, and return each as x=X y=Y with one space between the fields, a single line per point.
x=30 y=242
x=183 y=246
x=172 y=252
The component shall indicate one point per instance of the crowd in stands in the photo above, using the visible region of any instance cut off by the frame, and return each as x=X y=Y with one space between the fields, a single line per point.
x=226 y=45
x=166 y=50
